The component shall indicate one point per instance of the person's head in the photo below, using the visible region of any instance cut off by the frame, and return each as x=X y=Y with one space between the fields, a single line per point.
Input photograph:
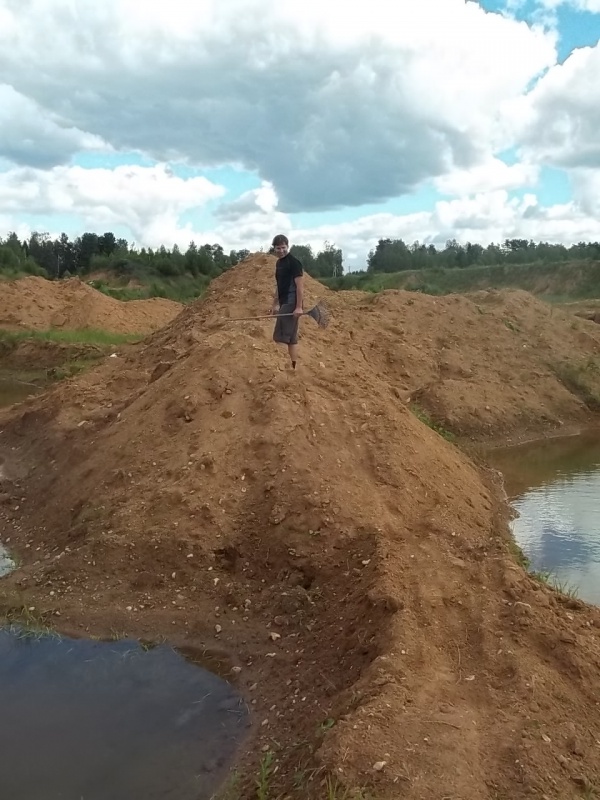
x=280 y=245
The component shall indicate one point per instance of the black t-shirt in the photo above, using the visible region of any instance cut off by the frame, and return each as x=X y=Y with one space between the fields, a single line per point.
x=287 y=269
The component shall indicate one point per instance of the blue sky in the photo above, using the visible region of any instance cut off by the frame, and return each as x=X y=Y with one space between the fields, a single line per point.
x=446 y=129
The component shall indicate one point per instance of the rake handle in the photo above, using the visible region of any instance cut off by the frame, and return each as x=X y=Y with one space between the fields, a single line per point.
x=266 y=316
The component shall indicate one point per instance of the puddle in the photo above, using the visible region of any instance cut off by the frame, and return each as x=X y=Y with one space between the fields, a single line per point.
x=15 y=391
x=6 y=563
x=86 y=720
x=555 y=488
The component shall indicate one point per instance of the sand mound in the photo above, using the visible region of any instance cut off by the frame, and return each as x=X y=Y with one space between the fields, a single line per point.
x=38 y=304
x=335 y=556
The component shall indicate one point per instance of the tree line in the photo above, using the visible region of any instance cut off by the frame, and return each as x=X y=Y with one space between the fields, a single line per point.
x=394 y=255
x=91 y=253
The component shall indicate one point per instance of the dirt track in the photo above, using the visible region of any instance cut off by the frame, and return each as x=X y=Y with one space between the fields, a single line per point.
x=38 y=304
x=330 y=553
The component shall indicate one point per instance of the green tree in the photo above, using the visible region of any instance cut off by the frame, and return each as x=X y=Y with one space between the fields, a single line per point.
x=304 y=254
x=329 y=262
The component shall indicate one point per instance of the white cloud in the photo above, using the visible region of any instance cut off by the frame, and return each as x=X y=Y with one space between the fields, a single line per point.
x=490 y=175
x=586 y=189
x=578 y=5
x=33 y=135
x=331 y=114
x=560 y=117
x=484 y=218
x=148 y=200
x=263 y=200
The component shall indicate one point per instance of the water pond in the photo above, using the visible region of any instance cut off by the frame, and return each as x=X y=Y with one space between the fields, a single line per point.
x=6 y=563
x=554 y=487
x=13 y=390
x=89 y=720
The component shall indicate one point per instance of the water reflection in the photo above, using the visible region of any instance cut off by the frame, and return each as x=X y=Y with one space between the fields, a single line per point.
x=108 y=721
x=555 y=488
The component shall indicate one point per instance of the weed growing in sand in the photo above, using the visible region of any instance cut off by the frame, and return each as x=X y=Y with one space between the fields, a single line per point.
x=336 y=791
x=116 y=636
x=544 y=576
x=325 y=726
x=554 y=582
x=25 y=622
x=264 y=777
x=424 y=417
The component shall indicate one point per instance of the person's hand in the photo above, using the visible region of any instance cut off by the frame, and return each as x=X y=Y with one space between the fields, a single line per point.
x=274 y=309
x=298 y=312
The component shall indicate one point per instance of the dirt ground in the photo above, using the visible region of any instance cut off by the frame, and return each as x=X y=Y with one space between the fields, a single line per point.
x=588 y=309
x=38 y=304
x=309 y=537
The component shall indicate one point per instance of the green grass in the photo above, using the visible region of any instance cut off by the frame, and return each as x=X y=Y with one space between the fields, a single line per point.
x=556 y=282
x=554 y=582
x=264 y=777
x=520 y=556
x=581 y=379
x=25 y=621
x=183 y=289
x=424 y=417
x=548 y=577
x=87 y=336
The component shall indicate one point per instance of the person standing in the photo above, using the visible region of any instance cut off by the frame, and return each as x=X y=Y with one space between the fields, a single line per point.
x=288 y=296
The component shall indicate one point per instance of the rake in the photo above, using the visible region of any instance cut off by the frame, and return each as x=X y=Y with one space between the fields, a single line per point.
x=320 y=314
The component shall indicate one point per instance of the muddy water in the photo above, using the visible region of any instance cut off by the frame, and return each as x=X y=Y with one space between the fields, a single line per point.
x=85 y=720
x=554 y=487
x=6 y=563
x=13 y=390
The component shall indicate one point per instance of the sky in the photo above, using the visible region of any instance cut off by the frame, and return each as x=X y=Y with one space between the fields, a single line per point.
x=230 y=122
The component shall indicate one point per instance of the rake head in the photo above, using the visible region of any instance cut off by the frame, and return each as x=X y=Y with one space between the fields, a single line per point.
x=320 y=314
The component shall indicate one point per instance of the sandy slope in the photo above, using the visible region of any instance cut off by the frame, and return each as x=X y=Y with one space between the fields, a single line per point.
x=319 y=545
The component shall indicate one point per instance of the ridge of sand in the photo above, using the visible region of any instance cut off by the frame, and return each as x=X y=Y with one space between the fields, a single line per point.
x=331 y=554
x=35 y=303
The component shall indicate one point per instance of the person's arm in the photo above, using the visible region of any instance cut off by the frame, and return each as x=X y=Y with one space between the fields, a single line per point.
x=275 y=302
x=299 y=281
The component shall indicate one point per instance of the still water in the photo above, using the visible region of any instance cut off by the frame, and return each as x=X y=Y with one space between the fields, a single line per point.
x=87 y=720
x=6 y=563
x=554 y=487
x=15 y=391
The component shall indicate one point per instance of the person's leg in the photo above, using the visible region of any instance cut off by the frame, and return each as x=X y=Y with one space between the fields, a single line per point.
x=293 y=351
x=294 y=325
x=286 y=332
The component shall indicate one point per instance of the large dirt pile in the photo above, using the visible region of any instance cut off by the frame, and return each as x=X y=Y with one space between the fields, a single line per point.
x=492 y=363
x=38 y=304
x=345 y=565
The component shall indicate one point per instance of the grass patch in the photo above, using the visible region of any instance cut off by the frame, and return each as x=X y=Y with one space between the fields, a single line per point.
x=24 y=621
x=183 y=289
x=581 y=379
x=424 y=417
x=554 y=582
x=520 y=556
x=554 y=281
x=87 y=336
x=547 y=576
